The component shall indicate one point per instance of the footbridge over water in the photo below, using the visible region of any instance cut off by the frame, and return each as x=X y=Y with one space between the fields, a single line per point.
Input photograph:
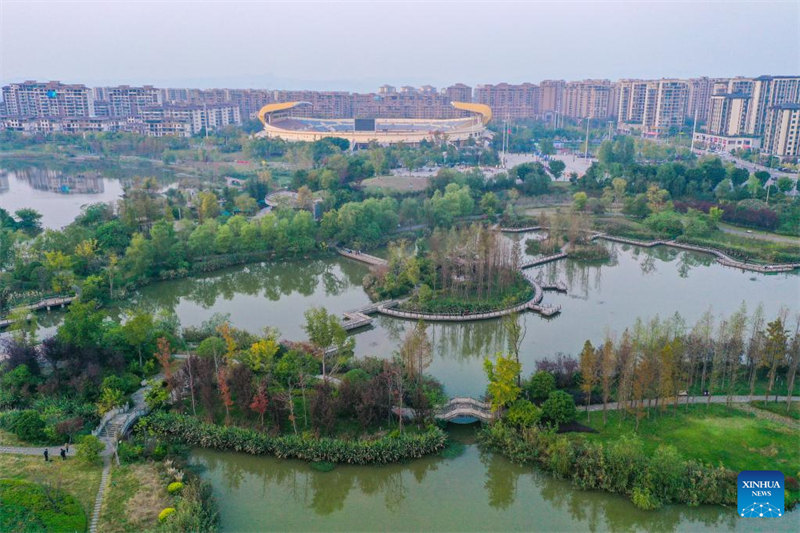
x=460 y=410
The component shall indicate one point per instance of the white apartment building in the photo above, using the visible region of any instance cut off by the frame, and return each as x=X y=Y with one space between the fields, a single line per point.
x=782 y=131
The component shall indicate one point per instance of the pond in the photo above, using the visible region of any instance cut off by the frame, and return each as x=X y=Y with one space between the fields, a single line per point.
x=473 y=492
x=608 y=296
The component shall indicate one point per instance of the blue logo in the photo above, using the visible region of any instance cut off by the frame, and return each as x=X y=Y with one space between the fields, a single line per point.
x=760 y=493
x=52 y=94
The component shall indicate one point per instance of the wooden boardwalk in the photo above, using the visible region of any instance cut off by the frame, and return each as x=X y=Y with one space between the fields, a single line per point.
x=543 y=260
x=721 y=258
x=522 y=230
x=362 y=257
x=46 y=303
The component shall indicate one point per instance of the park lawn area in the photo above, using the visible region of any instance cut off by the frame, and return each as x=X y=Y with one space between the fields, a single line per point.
x=27 y=506
x=9 y=439
x=715 y=434
x=133 y=499
x=395 y=184
x=75 y=478
x=779 y=408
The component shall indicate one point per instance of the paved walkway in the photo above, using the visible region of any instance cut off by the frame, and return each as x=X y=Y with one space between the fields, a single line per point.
x=683 y=400
x=37 y=450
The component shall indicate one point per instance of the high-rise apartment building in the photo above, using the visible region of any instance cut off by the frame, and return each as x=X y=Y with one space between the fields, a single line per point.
x=125 y=101
x=589 y=99
x=782 y=131
x=459 y=93
x=767 y=92
x=47 y=99
x=654 y=106
x=728 y=114
x=551 y=93
x=509 y=101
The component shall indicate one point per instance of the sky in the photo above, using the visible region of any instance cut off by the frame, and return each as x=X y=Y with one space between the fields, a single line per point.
x=359 y=46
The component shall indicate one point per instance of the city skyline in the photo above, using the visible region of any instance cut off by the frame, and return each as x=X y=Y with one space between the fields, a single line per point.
x=474 y=43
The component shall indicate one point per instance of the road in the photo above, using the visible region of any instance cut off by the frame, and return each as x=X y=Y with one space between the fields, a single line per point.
x=752 y=234
x=752 y=167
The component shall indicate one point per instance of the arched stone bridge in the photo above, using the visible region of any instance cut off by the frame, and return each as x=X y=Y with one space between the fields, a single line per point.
x=458 y=410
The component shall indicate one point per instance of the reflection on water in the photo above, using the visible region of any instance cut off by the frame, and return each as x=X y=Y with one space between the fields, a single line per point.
x=57 y=195
x=635 y=282
x=474 y=492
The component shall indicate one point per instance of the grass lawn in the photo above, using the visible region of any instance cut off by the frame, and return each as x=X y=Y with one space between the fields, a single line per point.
x=26 y=506
x=9 y=439
x=135 y=496
x=74 y=478
x=390 y=184
x=715 y=435
x=779 y=408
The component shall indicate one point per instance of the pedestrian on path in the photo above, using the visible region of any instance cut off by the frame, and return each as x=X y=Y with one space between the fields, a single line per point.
x=46 y=456
x=63 y=455
x=66 y=446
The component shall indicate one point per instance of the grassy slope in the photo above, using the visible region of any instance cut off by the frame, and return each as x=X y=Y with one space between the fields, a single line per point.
x=73 y=477
x=133 y=500
x=779 y=408
x=714 y=434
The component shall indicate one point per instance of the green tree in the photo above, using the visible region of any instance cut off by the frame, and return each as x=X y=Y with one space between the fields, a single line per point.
x=82 y=326
x=29 y=221
x=774 y=351
x=325 y=331
x=503 y=376
x=588 y=365
x=541 y=385
x=490 y=204
x=138 y=331
x=559 y=408
x=556 y=167
x=579 y=200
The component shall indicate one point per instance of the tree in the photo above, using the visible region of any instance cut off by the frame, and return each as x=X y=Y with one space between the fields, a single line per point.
x=246 y=204
x=608 y=367
x=82 y=326
x=774 y=351
x=490 y=204
x=794 y=359
x=261 y=353
x=579 y=200
x=503 y=377
x=516 y=333
x=137 y=331
x=29 y=221
x=559 y=408
x=326 y=333
x=556 y=167
x=164 y=355
x=207 y=206
x=619 y=186
x=225 y=393
x=211 y=347
x=260 y=402
x=588 y=362
x=541 y=385
x=416 y=353
x=89 y=449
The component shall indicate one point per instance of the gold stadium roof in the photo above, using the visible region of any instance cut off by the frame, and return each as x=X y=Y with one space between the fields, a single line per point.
x=484 y=110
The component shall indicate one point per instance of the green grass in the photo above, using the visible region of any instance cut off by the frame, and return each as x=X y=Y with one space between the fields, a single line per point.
x=135 y=496
x=74 y=478
x=779 y=408
x=715 y=434
x=27 y=506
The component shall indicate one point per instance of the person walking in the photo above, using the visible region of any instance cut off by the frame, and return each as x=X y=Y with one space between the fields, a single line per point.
x=63 y=454
x=66 y=446
x=46 y=455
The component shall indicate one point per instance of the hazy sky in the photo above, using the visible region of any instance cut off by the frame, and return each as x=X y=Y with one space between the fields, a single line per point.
x=361 y=45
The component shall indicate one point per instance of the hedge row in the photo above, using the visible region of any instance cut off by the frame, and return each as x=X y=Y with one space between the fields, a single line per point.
x=191 y=431
x=650 y=480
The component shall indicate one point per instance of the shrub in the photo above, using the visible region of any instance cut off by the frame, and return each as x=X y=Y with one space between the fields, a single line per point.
x=29 y=426
x=523 y=413
x=129 y=453
x=192 y=432
x=89 y=449
x=643 y=499
x=195 y=511
x=541 y=385
x=175 y=487
x=559 y=407
x=26 y=506
x=165 y=513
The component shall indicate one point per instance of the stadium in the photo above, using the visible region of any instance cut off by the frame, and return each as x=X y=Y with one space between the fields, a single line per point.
x=280 y=123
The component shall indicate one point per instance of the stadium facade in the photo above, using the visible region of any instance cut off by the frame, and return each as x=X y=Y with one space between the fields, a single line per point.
x=280 y=122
